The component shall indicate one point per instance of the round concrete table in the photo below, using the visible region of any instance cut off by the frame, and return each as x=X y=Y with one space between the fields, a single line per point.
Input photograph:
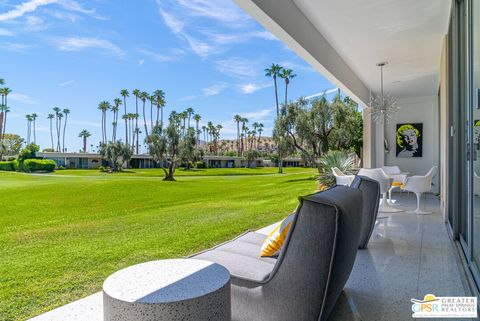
x=180 y=289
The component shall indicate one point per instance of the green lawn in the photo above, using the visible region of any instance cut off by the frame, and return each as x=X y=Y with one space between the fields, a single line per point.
x=61 y=235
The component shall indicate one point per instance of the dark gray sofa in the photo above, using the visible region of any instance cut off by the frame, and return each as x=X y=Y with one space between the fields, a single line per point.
x=371 y=197
x=307 y=278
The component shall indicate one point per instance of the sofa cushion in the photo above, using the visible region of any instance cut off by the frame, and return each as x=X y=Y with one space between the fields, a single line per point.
x=241 y=257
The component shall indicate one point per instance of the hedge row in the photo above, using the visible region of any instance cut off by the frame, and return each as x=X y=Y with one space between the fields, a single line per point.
x=34 y=165
x=7 y=166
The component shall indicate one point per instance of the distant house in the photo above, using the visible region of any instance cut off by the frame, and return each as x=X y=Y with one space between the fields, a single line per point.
x=93 y=160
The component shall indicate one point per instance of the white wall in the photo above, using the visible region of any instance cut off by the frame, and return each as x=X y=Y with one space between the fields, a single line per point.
x=417 y=110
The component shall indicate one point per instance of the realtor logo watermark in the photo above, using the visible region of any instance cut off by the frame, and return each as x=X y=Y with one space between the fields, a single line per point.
x=444 y=307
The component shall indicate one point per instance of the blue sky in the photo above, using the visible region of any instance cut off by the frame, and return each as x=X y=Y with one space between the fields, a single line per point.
x=205 y=54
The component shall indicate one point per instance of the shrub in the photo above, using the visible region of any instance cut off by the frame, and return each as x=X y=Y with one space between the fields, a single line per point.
x=61 y=167
x=7 y=166
x=35 y=165
x=101 y=168
x=17 y=166
x=200 y=164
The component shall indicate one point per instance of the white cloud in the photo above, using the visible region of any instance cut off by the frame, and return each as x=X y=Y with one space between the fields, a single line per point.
x=170 y=20
x=23 y=8
x=201 y=48
x=21 y=98
x=81 y=43
x=65 y=83
x=236 y=67
x=141 y=62
x=220 y=10
x=214 y=89
x=258 y=115
x=251 y=87
x=162 y=57
x=16 y=47
x=5 y=32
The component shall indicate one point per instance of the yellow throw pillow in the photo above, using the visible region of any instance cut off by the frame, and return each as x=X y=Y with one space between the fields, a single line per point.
x=274 y=241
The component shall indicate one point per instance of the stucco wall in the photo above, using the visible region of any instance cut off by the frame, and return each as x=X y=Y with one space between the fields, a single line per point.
x=417 y=110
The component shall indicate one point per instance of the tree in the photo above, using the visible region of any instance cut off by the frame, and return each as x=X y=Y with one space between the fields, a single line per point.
x=260 y=130
x=251 y=156
x=164 y=146
x=287 y=74
x=14 y=143
x=143 y=97
x=238 y=119
x=104 y=106
x=115 y=108
x=57 y=111
x=189 y=112
x=187 y=147
x=116 y=154
x=136 y=93
x=124 y=93
x=33 y=119
x=50 y=118
x=273 y=72
x=29 y=127
x=244 y=132
x=5 y=109
x=4 y=92
x=197 y=119
x=29 y=152
x=60 y=116
x=66 y=111
x=347 y=134
x=160 y=102
x=84 y=134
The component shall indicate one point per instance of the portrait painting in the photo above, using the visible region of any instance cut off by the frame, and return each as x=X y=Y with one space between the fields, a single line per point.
x=409 y=138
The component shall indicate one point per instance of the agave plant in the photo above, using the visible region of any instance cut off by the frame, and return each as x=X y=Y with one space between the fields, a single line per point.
x=333 y=158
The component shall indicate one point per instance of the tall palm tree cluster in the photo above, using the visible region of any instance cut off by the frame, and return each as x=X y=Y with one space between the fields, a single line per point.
x=4 y=108
x=247 y=139
x=275 y=71
x=151 y=118
x=60 y=117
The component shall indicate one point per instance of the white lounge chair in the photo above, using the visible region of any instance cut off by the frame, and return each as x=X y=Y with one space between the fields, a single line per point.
x=342 y=178
x=419 y=185
x=385 y=183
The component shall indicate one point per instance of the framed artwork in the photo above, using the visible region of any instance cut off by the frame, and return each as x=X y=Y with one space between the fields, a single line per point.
x=409 y=138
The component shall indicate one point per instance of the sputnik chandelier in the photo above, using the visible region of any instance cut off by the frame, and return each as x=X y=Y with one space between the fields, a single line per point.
x=383 y=107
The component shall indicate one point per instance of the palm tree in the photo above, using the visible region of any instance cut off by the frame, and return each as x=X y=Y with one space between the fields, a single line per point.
x=255 y=128
x=84 y=134
x=160 y=100
x=124 y=93
x=136 y=93
x=60 y=116
x=238 y=119
x=34 y=116
x=50 y=118
x=6 y=110
x=144 y=96
x=4 y=92
x=104 y=106
x=273 y=72
x=244 y=130
x=29 y=121
x=204 y=129
x=260 y=130
x=115 y=108
x=287 y=74
x=153 y=101
x=189 y=112
x=66 y=111
x=197 y=119
x=57 y=111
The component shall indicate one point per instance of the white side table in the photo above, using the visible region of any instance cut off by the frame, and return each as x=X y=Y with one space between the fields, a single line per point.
x=180 y=289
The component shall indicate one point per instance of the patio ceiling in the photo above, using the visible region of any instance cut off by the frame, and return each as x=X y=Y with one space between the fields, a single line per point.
x=344 y=40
